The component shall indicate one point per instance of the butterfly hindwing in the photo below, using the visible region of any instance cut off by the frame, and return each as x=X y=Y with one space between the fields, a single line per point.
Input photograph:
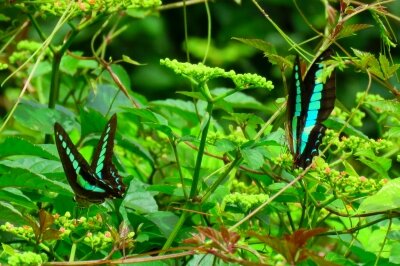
x=310 y=102
x=102 y=159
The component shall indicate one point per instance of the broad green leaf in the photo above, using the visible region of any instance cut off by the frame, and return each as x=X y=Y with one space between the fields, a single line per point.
x=165 y=221
x=252 y=157
x=10 y=214
x=136 y=148
x=92 y=122
x=179 y=113
x=107 y=99
x=166 y=189
x=16 y=197
x=395 y=253
x=387 y=198
x=34 y=164
x=18 y=146
x=69 y=64
x=44 y=118
x=139 y=199
x=146 y=115
x=27 y=180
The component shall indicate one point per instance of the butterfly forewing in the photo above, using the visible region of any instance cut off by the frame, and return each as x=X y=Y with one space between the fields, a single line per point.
x=102 y=159
x=310 y=102
x=81 y=177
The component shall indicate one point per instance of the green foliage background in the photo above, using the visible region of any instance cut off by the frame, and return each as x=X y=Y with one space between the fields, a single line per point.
x=200 y=139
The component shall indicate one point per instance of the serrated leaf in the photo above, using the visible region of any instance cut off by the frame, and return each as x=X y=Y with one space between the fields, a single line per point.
x=387 y=70
x=387 y=198
x=253 y=158
x=349 y=30
x=259 y=44
x=225 y=145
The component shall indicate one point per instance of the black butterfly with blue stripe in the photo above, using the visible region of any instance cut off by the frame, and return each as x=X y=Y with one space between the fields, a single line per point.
x=310 y=102
x=98 y=181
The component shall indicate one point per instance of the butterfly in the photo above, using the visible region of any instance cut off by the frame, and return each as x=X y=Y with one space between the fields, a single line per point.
x=98 y=181
x=310 y=102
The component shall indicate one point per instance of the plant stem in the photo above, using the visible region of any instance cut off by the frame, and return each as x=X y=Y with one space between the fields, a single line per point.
x=72 y=254
x=200 y=153
x=173 y=234
x=221 y=178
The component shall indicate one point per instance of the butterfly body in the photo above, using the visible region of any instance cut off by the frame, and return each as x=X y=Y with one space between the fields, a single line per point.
x=98 y=181
x=310 y=102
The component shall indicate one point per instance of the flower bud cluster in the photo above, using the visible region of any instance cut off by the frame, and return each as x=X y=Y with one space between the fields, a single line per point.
x=201 y=73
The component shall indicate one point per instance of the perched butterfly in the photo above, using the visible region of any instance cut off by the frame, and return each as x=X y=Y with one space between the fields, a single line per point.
x=98 y=181
x=310 y=102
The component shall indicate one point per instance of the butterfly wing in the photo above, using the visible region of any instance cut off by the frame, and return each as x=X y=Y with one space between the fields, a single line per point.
x=317 y=102
x=295 y=106
x=82 y=179
x=102 y=160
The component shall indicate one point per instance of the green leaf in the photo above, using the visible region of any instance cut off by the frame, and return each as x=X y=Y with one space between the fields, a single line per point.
x=379 y=164
x=27 y=180
x=91 y=122
x=387 y=198
x=192 y=94
x=236 y=100
x=69 y=65
x=179 y=113
x=129 y=60
x=10 y=214
x=338 y=124
x=18 y=146
x=225 y=145
x=259 y=44
x=253 y=157
x=139 y=199
x=349 y=30
x=8 y=249
x=16 y=197
x=394 y=256
x=165 y=221
x=44 y=118
x=107 y=99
